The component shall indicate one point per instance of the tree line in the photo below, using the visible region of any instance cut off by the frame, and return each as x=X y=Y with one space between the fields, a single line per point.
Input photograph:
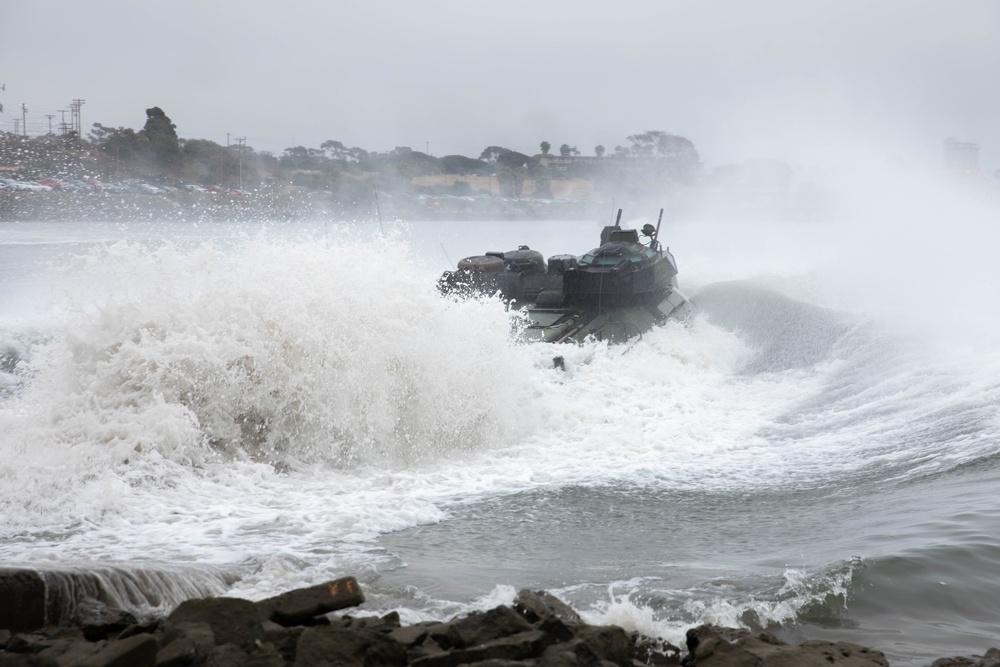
x=648 y=162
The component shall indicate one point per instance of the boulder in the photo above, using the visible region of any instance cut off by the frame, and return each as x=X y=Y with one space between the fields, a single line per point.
x=575 y=653
x=98 y=621
x=232 y=620
x=654 y=652
x=337 y=647
x=185 y=643
x=409 y=636
x=990 y=659
x=385 y=623
x=284 y=640
x=36 y=642
x=266 y=655
x=536 y=605
x=298 y=607
x=439 y=634
x=22 y=600
x=608 y=642
x=17 y=660
x=484 y=626
x=423 y=648
x=137 y=651
x=710 y=646
x=520 y=646
x=227 y=655
x=71 y=652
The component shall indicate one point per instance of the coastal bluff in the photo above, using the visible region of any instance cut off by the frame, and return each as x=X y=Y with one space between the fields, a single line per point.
x=303 y=628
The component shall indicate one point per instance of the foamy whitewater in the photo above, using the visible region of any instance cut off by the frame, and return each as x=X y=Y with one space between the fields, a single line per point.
x=192 y=409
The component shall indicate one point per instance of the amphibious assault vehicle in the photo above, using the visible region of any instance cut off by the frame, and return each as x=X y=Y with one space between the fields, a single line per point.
x=614 y=292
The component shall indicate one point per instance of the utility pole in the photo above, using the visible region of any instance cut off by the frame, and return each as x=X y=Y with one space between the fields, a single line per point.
x=76 y=116
x=63 y=128
x=24 y=117
x=242 y=142
x=50 y=116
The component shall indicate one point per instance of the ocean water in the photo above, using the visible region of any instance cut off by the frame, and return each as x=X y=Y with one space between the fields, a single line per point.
x=192 y=409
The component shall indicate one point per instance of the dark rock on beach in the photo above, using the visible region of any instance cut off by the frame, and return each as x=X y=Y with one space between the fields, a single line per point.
x=991 y=659
x=711 y=646
x=22 y=600
x=300 y=606
x=299 y=629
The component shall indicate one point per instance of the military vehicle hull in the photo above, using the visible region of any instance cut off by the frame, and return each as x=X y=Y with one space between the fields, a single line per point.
x=615 y=292
x=615 y=324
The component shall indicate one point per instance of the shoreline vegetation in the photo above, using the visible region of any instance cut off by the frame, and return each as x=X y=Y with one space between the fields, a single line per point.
x=123 y=174
x=302 y=628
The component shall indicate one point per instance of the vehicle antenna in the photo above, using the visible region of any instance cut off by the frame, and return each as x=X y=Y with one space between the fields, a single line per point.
x=446 y=256
x=378 y=209
x=656 y=235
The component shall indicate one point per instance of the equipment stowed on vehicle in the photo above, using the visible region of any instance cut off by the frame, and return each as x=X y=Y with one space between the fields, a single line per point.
x=614 y=292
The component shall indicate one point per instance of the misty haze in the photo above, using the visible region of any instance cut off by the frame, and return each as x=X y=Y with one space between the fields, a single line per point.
x=511 y=320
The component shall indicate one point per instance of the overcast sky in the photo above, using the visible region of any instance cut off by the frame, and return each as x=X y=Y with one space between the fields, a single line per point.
x=800 y=80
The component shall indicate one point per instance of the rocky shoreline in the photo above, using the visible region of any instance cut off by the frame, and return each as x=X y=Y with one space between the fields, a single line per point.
x=302 y=628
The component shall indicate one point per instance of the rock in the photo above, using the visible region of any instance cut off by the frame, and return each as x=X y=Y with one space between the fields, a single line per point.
x=711 y=646
x=484 y=626
x=409 y=636
x=654 y=652
x=16 y=660
x=439 y=633
x=991 y=659
x=423 y=648
x=227 y=655
x=521 y=646
x=380 y=623
x=138 y=651
x=390 y=621
x=150 y=627
x=716 y=651
x=22 y=600
x=284 y=640
x=71 y=652
x=232 y=620
x=98 y=621
x=266 y=656
x=694 y=636
x=570 y=654
x=608 y=642
x=554 y=626
x=337 y=647
x=536 y=605
x=814 y=653
x=298 y=606
x=185 y=643
x=36 y=642
x=538 y=631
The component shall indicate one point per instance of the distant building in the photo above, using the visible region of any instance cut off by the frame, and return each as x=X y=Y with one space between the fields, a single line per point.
x=961 y=157
x=562 y=163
